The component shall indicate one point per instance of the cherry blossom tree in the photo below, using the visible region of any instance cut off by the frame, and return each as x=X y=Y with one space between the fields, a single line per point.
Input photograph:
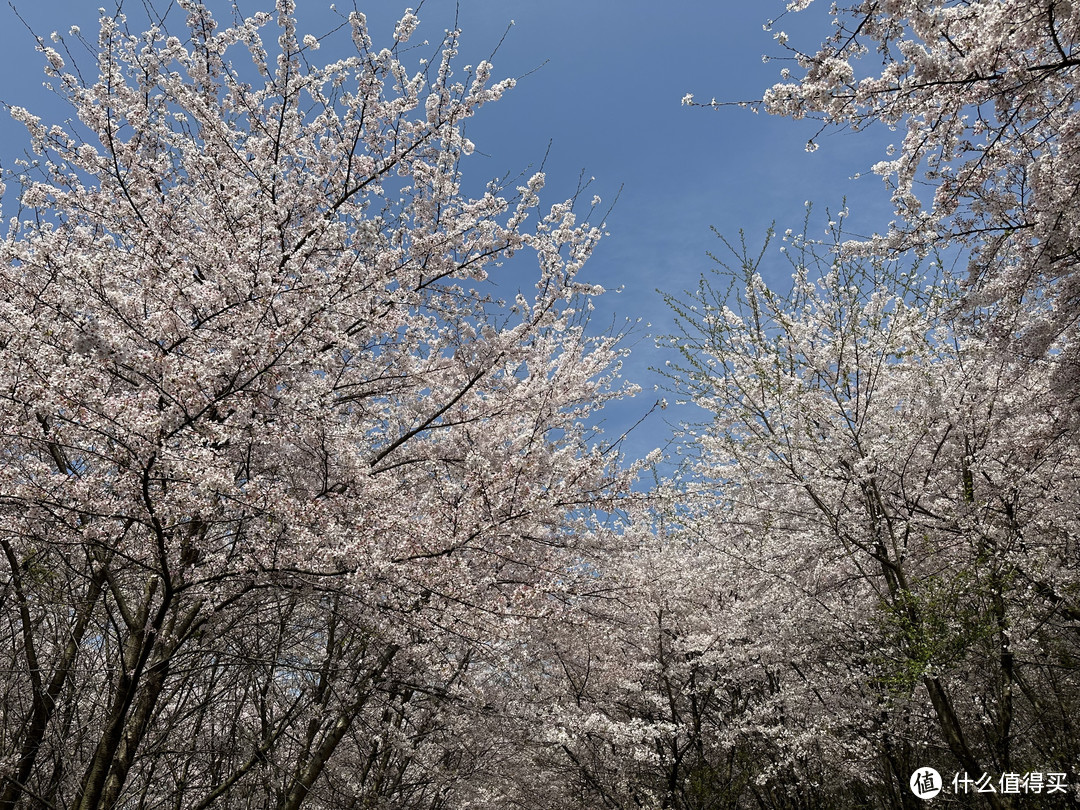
x=881 y=509
x=907 y=473
x=985 y=94
x=283 y=479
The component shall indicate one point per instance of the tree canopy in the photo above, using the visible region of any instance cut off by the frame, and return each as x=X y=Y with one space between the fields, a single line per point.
x=985 y=94
x=282 y=480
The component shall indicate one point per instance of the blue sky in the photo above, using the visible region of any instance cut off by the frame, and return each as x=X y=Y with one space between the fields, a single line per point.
x=604 y=83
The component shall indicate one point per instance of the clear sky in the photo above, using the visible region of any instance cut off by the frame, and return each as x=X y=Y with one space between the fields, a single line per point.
x=604 y=83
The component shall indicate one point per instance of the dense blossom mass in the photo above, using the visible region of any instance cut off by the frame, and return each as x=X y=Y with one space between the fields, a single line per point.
x=985 y=94
x=888 y=489
x=282 y=481
x=887 y=503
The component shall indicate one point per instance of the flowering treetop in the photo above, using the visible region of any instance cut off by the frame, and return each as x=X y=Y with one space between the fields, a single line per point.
x=985 y=94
